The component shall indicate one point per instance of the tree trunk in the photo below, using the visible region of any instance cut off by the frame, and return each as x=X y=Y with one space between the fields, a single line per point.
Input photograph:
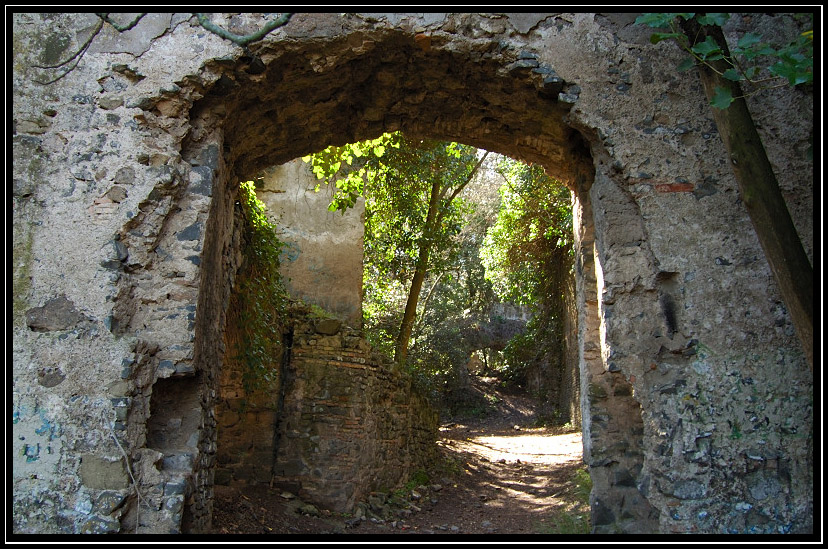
x=760 y=193
x=401 y=352
x=419 y=321
x=433 y=221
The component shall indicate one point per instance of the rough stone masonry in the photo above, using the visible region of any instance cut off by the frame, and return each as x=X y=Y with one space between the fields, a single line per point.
x=697 y=402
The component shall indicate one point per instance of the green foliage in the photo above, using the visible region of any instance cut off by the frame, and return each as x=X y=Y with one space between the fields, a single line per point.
x=396 y=177
x=437 y=353
x=583 y=482
x=660 y=20
x=419 y=478
x=527 y=349
x=566 y=521
x=574 y=518
x=261 y=299
x=456 y=294
x=317 y=312
x=750 y=61
x=351 y=166
x=533 y=228
x=527 y=255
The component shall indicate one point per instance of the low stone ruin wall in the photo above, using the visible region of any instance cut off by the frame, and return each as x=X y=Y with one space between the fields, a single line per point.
x=351 y=424
x=345 y=424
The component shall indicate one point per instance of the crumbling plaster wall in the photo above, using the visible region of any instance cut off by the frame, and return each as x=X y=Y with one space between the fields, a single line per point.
x=322 y=260
x=123 y=191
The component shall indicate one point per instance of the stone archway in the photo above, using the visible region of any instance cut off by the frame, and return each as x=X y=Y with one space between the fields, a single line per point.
x=361 y=85
x=672 y=323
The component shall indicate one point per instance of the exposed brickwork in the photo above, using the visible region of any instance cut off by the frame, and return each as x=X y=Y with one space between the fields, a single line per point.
x=346 y=424
x=351 y=423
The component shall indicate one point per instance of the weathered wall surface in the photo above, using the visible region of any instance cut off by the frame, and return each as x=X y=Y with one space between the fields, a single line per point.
x=322 y=263
x=697 y=403
x=335 y=424
x=351 y=424
x=569 y=390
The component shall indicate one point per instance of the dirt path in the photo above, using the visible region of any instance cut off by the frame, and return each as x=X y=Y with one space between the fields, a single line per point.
x=499 y=475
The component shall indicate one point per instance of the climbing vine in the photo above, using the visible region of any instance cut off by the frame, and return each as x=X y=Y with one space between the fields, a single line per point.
x=261 y=300
x=528 y=258
x=752 y=60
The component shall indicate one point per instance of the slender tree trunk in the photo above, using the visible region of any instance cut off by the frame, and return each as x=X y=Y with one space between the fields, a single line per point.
x=433 y=221
x=401 y=352
x=416 y=329
x=760 y=193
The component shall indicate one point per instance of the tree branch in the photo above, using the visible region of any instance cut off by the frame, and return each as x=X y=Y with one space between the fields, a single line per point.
x=468 y=179
x=202 y=19
x=246 y=39
x=760 y=193
x=424 y=304
x=120 y=28
x=78 y=54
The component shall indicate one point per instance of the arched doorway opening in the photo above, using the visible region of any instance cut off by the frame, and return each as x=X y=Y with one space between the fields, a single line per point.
x=358 y=87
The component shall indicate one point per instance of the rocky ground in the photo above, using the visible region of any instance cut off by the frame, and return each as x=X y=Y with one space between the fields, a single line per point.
x=500 y=475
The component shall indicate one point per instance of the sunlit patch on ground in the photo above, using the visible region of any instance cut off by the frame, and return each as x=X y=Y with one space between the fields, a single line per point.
x=527 y=447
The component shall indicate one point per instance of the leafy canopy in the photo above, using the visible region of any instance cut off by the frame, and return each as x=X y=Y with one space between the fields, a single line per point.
x=396 y=175
x=534 y=226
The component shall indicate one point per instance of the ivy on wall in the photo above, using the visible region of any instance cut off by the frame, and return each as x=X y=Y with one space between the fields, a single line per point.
x=261 y=300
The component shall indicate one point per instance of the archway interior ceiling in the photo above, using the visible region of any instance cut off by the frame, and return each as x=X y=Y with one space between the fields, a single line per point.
x=307 y=100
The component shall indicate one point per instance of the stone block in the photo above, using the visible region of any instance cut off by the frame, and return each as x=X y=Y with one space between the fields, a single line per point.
x=58 y=313
x=100 y=525
x=109 y=501
x=689 y=489
x=763 y=484
x=103 y=474
x=50 y=377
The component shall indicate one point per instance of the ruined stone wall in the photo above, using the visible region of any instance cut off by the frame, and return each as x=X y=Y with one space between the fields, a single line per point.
x=246 y=410
x=350 y=423
x=335 y=423
x=322 y=262
x=697 y=402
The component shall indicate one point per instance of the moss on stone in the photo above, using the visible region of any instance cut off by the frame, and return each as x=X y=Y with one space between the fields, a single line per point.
x=53 y=47
x=597 y=392
x=22 y=267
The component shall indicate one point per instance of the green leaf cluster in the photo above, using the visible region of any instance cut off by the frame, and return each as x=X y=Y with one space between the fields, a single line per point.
x=349 y=167
x=533 y=229
x=752 y=60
